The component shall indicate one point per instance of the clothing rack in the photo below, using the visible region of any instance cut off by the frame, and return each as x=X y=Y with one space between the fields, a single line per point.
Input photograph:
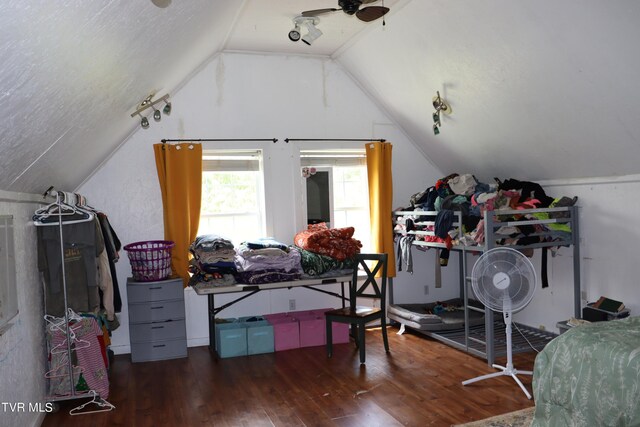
x=69 y=203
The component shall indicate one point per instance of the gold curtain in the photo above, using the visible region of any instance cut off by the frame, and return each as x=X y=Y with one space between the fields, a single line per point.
x=380 y=200
x=180 y=174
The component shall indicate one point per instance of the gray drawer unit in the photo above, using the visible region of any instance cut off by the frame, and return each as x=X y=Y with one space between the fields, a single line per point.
x=157 y=327
x=157 y=311
x=157 y=331
x=154 y=291
x=158 y=350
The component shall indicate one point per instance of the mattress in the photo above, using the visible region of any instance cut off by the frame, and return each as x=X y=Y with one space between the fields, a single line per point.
x=420 y=317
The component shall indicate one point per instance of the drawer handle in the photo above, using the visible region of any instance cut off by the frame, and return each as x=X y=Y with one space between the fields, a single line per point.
x=157 y=327
x=160 y=345
x=156 y=308
x=155 y=287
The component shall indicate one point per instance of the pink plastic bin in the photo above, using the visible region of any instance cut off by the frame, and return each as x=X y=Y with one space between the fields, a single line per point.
x=340 y=331
x=312 y=329
x=286 y=332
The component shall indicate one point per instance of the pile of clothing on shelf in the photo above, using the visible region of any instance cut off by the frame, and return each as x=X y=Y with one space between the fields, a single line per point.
x=472 y=198
x=325 y=249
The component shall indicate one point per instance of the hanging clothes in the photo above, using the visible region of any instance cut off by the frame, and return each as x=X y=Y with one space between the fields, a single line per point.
x=112 y=246
x=82 y=245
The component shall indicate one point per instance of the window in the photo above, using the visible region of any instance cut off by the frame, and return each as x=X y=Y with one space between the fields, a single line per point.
x=341 y=187
x=8 y=291
x=232 y=195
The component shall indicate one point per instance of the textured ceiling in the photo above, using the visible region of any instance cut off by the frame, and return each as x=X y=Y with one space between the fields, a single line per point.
x=539 y=90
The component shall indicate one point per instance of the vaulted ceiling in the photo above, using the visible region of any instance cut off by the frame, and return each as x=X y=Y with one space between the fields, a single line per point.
x=539 y=90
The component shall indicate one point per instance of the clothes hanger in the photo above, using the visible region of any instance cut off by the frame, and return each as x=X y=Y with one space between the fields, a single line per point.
x=55 y=322
x=63 y=371
x=72 y=315
x=103 y=404
x=60 y=208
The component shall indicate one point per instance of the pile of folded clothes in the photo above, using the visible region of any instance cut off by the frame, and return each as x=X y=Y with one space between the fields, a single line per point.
x=213 y=261
x=266 y=260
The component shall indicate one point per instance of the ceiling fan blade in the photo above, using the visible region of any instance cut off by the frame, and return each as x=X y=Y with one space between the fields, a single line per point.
x=317 y=12
x=371 y=13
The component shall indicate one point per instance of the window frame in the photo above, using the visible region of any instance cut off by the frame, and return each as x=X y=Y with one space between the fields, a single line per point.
x=236 y=163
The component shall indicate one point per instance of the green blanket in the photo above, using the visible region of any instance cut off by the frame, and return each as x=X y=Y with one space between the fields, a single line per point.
x=590 y=376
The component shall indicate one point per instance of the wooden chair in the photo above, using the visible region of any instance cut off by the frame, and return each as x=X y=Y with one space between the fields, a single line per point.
x=356 y=316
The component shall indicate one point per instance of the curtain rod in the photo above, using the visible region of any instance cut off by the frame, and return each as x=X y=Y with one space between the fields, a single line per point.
x=339 y=139
x=274 y=140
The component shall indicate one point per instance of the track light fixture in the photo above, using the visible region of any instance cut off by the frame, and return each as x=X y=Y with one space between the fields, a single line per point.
x=312 y=31
x=144 y=122
x=149 y=102
x=441 y=106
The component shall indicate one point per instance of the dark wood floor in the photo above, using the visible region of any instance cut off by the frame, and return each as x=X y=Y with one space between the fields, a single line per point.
x=417 y=384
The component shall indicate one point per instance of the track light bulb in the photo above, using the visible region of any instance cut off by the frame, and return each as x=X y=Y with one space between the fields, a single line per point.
x=294 y=35
x=167 y=108
x=144 y=123
x=156 y=115
x=436 y=130
x=313 y=34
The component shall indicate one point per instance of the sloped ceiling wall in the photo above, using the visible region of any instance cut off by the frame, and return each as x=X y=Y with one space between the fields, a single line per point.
x=539 y=90
x=73 y=71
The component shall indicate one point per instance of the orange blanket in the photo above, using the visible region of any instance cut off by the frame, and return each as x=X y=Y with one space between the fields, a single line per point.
x=336 y=243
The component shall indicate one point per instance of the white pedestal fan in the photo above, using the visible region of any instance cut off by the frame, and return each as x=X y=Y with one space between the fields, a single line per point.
x=503 y=279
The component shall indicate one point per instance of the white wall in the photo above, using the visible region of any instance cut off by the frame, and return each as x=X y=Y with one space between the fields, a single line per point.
x=22 y=346
x=609 y=263
x=252 y=96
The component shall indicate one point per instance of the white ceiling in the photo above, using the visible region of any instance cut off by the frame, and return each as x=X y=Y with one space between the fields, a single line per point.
x=539 y=90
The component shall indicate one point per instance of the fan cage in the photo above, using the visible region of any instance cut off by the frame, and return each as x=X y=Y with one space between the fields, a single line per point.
x=487 y=279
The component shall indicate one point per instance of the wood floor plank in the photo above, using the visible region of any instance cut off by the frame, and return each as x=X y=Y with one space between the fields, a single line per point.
x=418 y=384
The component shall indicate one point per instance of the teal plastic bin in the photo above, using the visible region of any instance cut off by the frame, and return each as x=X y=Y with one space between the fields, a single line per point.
x=231 y=338
x=259 y=335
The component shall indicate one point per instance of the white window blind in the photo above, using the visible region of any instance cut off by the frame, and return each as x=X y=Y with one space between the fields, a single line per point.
x=231 y=161
x=351 y=157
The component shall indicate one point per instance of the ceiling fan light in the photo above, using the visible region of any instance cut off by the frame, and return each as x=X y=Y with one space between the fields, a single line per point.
x=312 y=35
x=294 y=35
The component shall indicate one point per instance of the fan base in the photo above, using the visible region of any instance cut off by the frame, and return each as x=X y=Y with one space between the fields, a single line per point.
x=504 y=370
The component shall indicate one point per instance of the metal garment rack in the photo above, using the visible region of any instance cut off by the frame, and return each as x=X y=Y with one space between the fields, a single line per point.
x=483 y=341
x=69 y=199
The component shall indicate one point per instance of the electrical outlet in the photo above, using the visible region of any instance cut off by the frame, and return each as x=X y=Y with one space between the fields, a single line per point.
x=292 y=304
x=583 y=295
x=426 y=289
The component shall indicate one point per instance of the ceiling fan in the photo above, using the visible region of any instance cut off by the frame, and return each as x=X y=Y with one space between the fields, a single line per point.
x=352 y=7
